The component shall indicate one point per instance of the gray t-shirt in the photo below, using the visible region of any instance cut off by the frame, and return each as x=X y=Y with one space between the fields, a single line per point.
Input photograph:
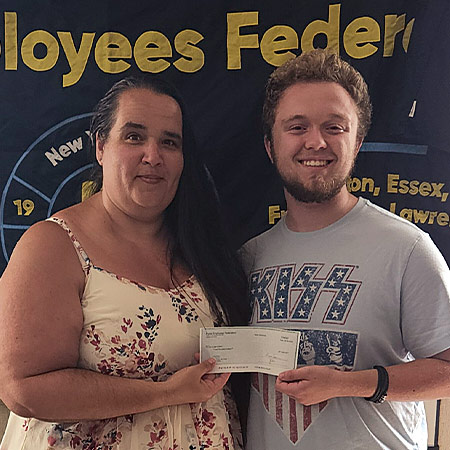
x=369 y=289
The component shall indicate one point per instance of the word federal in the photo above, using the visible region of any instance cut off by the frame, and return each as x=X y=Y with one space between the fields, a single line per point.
x=152 y=51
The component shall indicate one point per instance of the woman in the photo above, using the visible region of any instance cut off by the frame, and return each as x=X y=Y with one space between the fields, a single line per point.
x=101 y=305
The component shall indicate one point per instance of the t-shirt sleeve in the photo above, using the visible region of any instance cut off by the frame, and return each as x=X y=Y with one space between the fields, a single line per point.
x=425 y=300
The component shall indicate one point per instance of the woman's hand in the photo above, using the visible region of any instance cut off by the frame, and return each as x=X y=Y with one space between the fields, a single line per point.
x=194 y=384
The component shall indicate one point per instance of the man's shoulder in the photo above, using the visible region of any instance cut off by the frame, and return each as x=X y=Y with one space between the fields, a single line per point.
x=381 y=220
x=259 y=243
x=264 y=237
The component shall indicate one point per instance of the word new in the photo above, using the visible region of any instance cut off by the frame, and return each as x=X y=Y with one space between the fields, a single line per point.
x=64 y=151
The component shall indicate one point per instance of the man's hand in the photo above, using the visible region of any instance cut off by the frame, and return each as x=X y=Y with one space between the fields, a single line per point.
x=310 y=385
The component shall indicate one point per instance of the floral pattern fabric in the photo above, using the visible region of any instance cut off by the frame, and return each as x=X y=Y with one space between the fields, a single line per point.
x=136 y=331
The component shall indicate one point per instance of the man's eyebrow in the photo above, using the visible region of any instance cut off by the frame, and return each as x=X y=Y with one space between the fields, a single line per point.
x=303 y=117
x=294 y=117
x=339 y=116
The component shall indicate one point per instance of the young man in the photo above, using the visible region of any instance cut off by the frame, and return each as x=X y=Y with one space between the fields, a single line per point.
x=368 y=291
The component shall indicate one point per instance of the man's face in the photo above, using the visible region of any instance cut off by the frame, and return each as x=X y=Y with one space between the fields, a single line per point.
x=314 y=142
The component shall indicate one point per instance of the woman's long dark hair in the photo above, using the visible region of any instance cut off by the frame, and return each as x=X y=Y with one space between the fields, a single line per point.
x=198 y=237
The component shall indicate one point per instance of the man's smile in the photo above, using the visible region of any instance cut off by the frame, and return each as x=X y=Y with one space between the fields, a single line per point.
x=315 y=162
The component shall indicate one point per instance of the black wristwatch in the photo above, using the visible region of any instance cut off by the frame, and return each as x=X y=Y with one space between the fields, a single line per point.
x=382 y=386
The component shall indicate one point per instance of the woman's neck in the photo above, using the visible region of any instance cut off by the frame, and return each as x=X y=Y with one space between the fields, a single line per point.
x=141 y=229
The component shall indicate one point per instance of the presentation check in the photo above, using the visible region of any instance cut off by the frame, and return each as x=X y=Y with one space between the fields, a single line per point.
x=250 y=349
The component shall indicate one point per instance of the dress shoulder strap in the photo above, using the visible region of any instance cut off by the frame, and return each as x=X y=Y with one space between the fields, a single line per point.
x=82 y=255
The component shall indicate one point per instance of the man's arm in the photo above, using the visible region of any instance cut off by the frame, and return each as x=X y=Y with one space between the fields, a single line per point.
x=425 y=325
x=423 y=379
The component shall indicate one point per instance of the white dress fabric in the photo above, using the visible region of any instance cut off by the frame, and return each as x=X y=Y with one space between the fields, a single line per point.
x=136 y=331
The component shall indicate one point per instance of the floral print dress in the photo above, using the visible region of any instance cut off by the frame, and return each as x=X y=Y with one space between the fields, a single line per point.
x=136 y=331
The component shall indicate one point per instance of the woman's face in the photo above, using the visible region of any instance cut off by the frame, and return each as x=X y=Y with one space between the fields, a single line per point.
x=142 y=158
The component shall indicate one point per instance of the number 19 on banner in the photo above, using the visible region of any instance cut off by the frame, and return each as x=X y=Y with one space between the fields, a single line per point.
x=24 y=207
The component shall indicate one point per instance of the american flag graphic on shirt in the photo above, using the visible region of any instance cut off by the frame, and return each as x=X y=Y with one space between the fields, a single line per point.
x=292 y=417
x=315 y=301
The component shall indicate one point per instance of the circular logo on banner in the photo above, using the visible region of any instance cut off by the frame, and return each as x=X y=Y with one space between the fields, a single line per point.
x=49 y=176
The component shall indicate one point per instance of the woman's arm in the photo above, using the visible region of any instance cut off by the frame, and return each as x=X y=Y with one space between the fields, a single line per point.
x=40 y=326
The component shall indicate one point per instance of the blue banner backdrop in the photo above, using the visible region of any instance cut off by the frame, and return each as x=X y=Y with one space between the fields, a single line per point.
x=58 y=58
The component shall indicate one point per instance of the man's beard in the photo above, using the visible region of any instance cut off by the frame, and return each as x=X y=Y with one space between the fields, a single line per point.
x=320 y=190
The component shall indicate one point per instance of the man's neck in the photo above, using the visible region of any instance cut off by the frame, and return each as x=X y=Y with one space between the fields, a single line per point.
x=315 y=216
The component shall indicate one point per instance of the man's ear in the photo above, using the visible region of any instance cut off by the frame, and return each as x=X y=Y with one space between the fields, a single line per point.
x=99 y=149
x=268 y=146
x=359 y=143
